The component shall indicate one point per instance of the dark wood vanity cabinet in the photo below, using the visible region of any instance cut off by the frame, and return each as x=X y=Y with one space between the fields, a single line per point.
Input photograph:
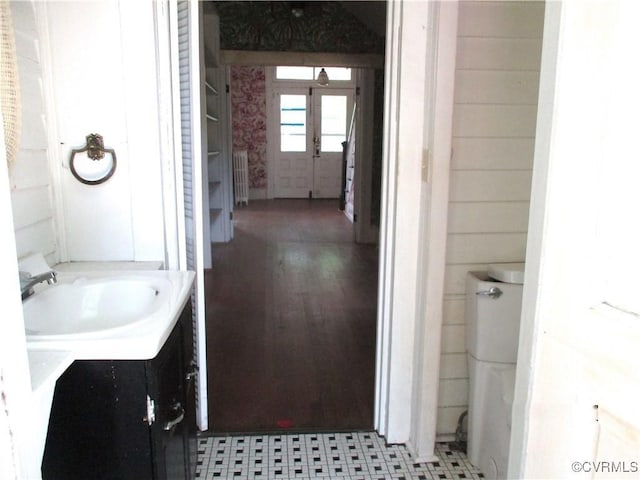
x=125 y=419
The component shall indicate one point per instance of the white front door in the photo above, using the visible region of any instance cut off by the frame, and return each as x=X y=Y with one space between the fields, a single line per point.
x=312 y=124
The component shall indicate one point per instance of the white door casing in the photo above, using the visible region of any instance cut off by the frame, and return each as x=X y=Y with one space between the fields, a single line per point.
x=420 y=59
x=185 y=19
x=580 y=301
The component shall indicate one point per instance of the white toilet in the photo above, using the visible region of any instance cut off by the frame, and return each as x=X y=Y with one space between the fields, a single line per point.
x=492 y=316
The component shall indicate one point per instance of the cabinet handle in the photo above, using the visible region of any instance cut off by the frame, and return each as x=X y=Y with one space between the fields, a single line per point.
x=151 y=411
x=179 y=416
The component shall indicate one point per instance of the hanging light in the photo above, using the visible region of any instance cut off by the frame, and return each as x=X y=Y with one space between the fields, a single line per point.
x=297 y=9
x=323 y=78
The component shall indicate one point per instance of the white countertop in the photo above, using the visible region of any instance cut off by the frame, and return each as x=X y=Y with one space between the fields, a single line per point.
x=46 y=366
x=109 y=266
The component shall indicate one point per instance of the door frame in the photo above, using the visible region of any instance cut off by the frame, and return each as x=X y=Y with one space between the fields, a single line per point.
x=365 y=231
x=363 y=82
x=413 y=210
x=272 y=86
x=165 y=13
x=419 y=72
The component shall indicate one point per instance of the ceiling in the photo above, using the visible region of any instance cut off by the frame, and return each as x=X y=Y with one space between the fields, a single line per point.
x=372 y=13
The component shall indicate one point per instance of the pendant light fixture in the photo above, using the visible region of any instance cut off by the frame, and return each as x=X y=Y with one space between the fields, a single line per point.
x=323 y=78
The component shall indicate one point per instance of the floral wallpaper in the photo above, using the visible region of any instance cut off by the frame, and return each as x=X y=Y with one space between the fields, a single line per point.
x=249 y=119
x=324 y=27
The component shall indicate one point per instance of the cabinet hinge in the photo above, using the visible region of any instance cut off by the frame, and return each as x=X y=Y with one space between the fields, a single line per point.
x=357 y=91
x=150 y=418
x=230 y=215
x=227 y=89
x=310 y=194
x=310 y=91
x=355 y=217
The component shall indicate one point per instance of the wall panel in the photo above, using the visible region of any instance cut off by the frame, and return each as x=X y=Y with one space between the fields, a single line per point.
x=490 y=185
x=499 y=53
x=488 y=217
x=492 y=153
x=495 y=113
x=29 y=175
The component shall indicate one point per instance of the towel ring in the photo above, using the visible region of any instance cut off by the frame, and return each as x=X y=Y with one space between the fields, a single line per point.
x=95 y=151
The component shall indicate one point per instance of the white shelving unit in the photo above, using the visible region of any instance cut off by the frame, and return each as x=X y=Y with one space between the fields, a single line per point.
x=218 y=135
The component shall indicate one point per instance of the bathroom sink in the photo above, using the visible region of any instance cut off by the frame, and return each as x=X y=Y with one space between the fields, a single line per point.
x=106 y=315
x=86 y=307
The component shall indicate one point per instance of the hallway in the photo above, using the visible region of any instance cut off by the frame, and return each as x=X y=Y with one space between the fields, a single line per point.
x=291 y=322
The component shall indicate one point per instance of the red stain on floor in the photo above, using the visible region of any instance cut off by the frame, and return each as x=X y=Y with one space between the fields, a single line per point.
x=284 y=423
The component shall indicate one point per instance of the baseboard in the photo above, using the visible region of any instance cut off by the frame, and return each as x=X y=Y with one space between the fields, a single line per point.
x=257 y=194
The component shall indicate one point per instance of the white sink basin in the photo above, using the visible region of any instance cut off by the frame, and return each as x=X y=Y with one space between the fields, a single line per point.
x=87 y=307
x=106 y=315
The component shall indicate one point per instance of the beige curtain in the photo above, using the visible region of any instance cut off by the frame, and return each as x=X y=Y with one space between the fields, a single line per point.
x=9 y=83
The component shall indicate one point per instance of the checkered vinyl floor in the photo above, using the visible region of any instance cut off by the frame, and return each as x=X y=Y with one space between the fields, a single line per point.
x=358 y=455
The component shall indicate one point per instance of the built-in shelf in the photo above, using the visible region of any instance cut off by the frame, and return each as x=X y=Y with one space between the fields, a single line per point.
x=218 y=138
x=211 y=88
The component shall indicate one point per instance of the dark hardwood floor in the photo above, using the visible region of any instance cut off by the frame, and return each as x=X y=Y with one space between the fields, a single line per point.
x=291 y=322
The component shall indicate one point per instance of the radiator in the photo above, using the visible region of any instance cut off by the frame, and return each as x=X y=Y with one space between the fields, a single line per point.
x=241 y=177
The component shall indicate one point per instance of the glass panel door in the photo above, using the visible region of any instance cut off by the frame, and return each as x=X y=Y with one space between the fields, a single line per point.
x=311 y=126
x=331 y=120
x=293 y=162
x=293 y=123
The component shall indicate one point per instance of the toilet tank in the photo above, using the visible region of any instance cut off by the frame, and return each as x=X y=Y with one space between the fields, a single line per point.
x=493 y=324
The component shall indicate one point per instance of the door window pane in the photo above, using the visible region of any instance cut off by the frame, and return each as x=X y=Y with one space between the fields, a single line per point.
x=333 y=122
x=295 y=73
x=334 y=73
x=311 y=73
x=293 y=123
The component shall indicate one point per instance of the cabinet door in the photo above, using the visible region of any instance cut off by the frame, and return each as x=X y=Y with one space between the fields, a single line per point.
x=165 y=384
x=96 y=427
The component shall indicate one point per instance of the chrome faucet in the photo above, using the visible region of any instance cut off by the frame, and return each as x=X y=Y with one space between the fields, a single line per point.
x=27 y=282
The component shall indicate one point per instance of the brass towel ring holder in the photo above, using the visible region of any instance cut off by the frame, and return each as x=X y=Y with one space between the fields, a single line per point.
x=95 y=151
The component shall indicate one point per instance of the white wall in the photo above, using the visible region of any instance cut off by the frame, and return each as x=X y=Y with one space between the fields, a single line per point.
x=495 y=103
x=30 y=182
x=15 y=385
x=103 y=80
x=579 y=341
